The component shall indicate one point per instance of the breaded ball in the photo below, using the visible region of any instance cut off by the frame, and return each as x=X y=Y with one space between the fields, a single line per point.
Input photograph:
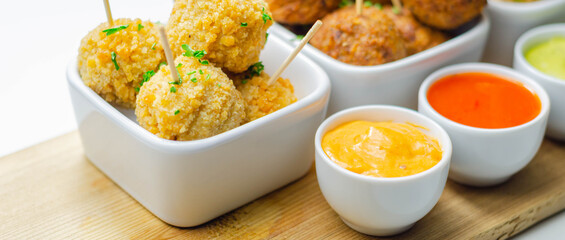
x=445 y=15
x=206 y=103
x=418 y=37
x=262 y=99
x=301 y=11
x=368 y=39
x=232 y=32
x=133 y=45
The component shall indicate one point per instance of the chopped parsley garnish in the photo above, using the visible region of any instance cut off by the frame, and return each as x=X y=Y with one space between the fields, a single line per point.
x=146 y=77
x=256 y=69
x=200 y=71
x=395 y=10
x=175 y=83
x=198 y=54
x=179 y=65
x=113 y=54
x=299 y=37
x=161 y=64
x=203 y=62
x=345 y=3
x=190 y=73
x=193 y=80
x=378 y=5
x=173 y=89
x=111 y=31
x=153 y=46
x=208 y=77
x=244 y=24
x=177 y=112
x=265 y=16
x=139 y=27
x=244 y=81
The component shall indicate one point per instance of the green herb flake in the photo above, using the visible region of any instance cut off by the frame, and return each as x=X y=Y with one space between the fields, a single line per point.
x=244 y=24
x=193 y=80
x=266 y=36
x=153 y=46
x=190 y=73
x=111 y=31
x=139 y=27
x=113 y=54
x=378 y=5
x=265 y=16
x=299 y=37
x=395 y=10
x=219 y=85
x=208 y=77
x=368 y=4
x=173 y=89
x=146 y=76
x=345 y=3
x=162 y=64
x=136 y=89
x=244 y=81
x=203 y=62
x=177 y=112
x=179 y=65
x=256 y=69
x=200 y=71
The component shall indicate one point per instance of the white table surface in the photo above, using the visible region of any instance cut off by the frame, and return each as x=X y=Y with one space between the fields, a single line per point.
x=38 y=40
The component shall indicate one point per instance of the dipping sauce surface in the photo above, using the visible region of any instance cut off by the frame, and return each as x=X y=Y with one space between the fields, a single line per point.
x=483 y=100
x=381 y=149
x=549 y=57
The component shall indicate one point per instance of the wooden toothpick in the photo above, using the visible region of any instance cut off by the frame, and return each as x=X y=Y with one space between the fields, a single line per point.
x=359 y=6
x=291 y=57
x=168 y=53
x=108 y=13
x=397 y=4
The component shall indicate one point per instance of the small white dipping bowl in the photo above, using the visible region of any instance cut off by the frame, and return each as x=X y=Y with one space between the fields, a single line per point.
x=381 y=206
x=555 y=87
x=397 y=82
x=486 y=157
x=510 y=19
x=186 y=183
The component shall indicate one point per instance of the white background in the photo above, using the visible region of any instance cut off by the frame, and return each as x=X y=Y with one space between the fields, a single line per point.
x=37 y=40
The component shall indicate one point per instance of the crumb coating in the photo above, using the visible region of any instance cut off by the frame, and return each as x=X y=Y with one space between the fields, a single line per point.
x=216 y=26
x=202 y=106
x=134 y=56
x=262 y=99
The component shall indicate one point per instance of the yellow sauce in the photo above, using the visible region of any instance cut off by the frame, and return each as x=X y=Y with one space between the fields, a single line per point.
x=382 y=149
x=549 y=57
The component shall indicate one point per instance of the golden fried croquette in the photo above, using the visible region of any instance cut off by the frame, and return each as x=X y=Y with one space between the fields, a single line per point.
x=232 y=32
x=367 y=39
x=204 y=104
x=418 y=37
x=134 y=47
x=301 y=11
x=262 y=99
x=446 y=15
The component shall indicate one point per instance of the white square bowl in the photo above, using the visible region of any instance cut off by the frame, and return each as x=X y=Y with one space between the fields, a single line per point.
x=394 y=83
x=189 y=183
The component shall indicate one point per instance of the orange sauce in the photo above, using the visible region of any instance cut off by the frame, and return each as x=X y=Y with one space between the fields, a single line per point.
x=483 y=100
x=381 y=149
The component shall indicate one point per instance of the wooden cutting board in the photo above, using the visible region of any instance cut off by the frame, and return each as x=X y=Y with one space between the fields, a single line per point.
x=52 y=191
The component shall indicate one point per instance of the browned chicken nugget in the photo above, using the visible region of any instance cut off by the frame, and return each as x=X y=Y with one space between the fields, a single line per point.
x=445 y=15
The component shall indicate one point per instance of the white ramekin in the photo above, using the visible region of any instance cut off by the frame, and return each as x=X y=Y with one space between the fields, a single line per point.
x=555 y=87
x=381 y=206
x=188 y=183
x=485 y=157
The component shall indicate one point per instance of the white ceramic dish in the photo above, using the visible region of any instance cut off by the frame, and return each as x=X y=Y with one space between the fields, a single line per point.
x=510 y=19
x=381 y=206
x=485 y=157
x=188 y=183
x=393 y=83
x=555 y=87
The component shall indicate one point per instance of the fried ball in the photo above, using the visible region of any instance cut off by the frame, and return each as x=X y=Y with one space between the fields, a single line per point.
x=445 y=15
x=262 y=99
x=367 y=39
x=232 y=32
x=136 y=50
x=418 y=37
x=301 y=11
x=204 y=104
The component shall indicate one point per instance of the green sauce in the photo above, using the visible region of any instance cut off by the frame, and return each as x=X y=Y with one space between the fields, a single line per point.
x=549 y=57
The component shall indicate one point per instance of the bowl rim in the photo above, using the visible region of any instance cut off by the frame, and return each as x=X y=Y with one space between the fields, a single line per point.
x=321 y=89
x=555 y=29
x=524 y=7
x=446 y=145
x=498 y=70
x=482 y=26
